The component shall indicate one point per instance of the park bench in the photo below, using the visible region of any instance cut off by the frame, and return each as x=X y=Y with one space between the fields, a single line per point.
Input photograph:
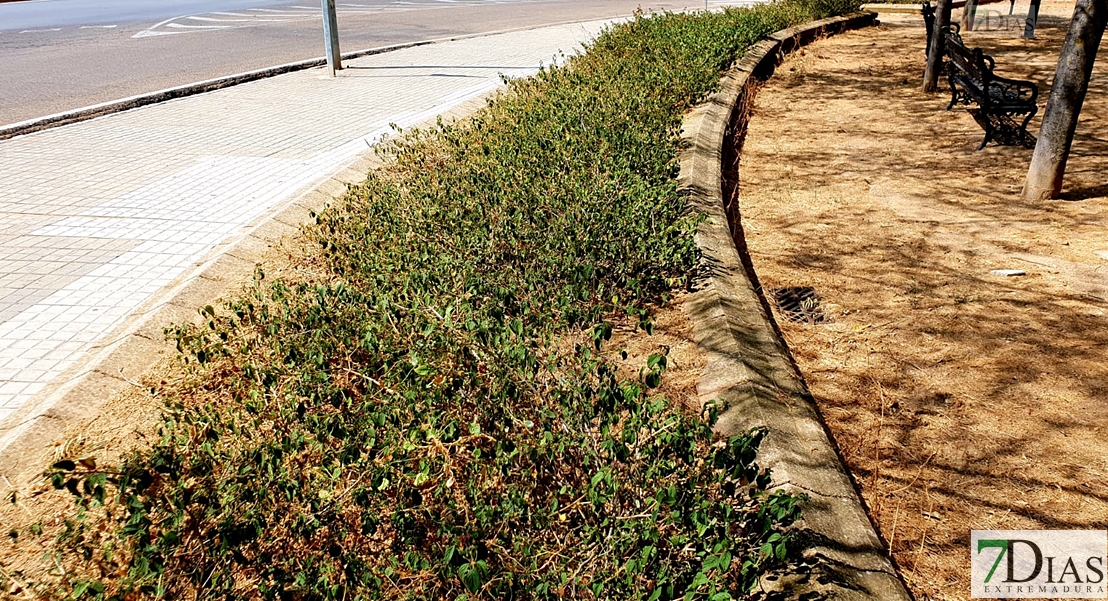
x=1004 y=106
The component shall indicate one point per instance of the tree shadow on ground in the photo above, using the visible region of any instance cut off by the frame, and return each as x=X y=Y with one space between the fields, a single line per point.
x=960 y=399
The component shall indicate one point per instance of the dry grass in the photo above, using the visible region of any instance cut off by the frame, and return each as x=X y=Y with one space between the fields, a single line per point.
x=129 y=422
x=36 y=512
x=630 y=347
x=961 y=400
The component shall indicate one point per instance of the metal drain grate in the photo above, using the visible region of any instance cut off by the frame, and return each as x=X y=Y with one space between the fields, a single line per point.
x=799 y=304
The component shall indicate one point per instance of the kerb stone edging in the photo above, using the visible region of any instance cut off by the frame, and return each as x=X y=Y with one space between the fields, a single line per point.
x=749 y=368
x=29 y=126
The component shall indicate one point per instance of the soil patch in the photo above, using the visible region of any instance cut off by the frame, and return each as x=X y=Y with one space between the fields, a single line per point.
x=960 y=399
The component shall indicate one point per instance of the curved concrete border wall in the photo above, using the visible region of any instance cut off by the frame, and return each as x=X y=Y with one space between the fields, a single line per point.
x=749 y=367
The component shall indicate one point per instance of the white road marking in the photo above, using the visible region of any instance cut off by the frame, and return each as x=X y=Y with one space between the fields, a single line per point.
x=192 y=18
x=40 y=30
x=259 y=16
x=157 y=28
x=183 y=26
x=214 y=20
x=149 y=34
x=98 y=26
x=282 y=15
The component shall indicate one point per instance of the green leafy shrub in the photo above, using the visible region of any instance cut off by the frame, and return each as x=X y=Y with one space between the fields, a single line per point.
x=821 y=9
x=409 y=423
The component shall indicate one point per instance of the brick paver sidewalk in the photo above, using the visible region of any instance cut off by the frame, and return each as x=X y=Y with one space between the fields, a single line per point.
x=98 y=217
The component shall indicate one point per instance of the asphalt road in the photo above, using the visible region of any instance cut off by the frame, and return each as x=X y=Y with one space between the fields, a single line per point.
x=57 y=55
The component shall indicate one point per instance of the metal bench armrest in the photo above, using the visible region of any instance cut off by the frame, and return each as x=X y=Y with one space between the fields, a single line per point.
x=1021 y=89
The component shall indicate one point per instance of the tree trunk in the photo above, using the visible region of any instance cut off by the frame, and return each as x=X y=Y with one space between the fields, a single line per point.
x=969 y=13
x=1067 y=94
x=1032 y=19
x=938 y=47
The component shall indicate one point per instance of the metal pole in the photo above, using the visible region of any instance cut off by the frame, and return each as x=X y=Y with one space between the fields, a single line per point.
x=1032 y=19
x=331 y=36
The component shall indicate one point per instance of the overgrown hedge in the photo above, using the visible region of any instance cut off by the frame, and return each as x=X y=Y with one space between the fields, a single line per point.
x=410 y=425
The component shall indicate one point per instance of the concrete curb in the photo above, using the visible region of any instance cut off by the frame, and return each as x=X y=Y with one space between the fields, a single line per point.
x=132 y=102
x=749 y=367
x=892 y=8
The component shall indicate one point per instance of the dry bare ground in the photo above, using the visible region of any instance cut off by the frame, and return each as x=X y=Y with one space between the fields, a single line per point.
x=960 y=399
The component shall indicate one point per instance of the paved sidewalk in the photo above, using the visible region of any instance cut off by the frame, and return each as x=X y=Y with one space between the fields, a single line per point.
x=98 y=217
